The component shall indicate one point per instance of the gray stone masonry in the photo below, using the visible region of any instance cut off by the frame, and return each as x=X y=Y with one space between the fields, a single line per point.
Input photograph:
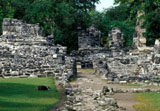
x=139 y=41
x=115 y=38
x=24 y=52
x=129 y=67
x=18 y=28
x=89 y=38
x=121 y=65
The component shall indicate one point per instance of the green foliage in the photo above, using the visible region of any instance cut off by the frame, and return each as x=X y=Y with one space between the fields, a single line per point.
x=21 y=94
x=115 y=17
x=127 y=30
x=6 y=11
x=61 y=17
x=41 y=12
x=58 y=17
x=151 y=18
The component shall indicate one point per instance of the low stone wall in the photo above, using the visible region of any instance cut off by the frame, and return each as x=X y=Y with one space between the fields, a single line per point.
x=24 y=52
x=130 y=66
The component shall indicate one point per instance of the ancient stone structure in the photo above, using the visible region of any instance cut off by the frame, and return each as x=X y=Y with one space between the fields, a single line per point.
x=24 y=52
x=18 y=28
x=157 y=46
x=89 y=38
x=129 y=67
x=118 y=64
x=115 y=38
x=139 y=41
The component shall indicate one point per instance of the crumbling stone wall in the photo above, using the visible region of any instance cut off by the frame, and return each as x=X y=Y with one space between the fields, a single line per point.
x=118 y=64
x=24 y=52
x=115 y=38
x=89 y=38
x=18 y=28
x=139 y=41
x=130 y=67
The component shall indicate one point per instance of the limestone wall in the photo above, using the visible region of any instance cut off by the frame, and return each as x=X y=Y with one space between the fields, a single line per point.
x=90 y=38
x=24 y=52
x=19 y=28
x=130 y=67
x=115 y=38
x=139 y=41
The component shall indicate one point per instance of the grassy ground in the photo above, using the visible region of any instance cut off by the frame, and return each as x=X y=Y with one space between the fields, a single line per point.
x=85 y=70
x=131 y=84
x=148 y=101
x=21 y=94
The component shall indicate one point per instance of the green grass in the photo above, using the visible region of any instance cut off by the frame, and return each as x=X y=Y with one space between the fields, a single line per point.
x=85 y=70
x=131 y=84
x=148 y=101
x=21 y=94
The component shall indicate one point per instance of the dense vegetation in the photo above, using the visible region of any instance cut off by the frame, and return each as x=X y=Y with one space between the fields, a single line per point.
x=21 y=94
x=58 y=17
x=151 y=18
x=62 y=17
x=115 y=17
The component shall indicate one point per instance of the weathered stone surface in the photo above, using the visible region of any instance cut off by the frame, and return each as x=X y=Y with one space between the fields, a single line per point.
x=105 y=90
x=115 y=38
x=24 y=52
x=129 y=68
x=88 y=98
x=139 y=41
x=19 y=28
x=89 y=38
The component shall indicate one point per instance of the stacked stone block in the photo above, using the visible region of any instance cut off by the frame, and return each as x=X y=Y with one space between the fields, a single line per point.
x=118 y=64
x=89 y=38
x=129 y=67
x=24 y=52
x=115 y=38
x=18 y=28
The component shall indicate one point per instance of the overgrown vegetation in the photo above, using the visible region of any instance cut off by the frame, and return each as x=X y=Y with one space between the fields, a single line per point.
x=115 y=17
x=62 y=17
x=21 y=94
x=148 y=101
x=151 y=18
x=58 y=17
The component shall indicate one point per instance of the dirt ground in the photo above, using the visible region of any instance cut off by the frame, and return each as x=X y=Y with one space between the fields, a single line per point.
x=88 y=80
x=125 y=100
x=62 y=100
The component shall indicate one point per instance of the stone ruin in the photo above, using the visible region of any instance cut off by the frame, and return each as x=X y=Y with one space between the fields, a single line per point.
x=119 y=65
x=115 y=38
x=139 y=41
x=89 y=38
x=18 y=28
x=24 y=52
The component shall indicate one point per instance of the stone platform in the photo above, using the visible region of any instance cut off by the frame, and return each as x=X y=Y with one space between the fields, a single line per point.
x=25 y=52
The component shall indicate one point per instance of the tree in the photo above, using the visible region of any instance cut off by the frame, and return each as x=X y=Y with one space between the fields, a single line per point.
x=151 y=18
x=59 y=16
x=6 y=11
x=115 y=17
